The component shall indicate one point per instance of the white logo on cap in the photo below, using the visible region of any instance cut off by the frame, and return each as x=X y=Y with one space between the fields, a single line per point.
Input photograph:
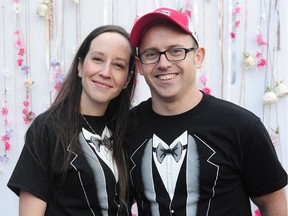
x=166 y=12
x=193 y=32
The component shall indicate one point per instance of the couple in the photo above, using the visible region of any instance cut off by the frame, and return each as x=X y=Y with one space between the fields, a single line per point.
x=181 y=152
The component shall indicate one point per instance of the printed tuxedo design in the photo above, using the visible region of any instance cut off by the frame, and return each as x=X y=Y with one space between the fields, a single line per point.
x=173 y=165
x=94 y=152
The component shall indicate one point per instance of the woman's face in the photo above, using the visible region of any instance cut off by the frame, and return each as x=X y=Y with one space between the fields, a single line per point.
x=104 y=72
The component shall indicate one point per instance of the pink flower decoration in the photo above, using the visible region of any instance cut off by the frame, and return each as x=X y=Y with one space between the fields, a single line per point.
x=17 y=32
x=25 y=111
x=21 y=52
x=259 y=40
x=26 y=103
x=203 y=79
x=257 y=212
x=236 y=9
x=3 y=138
x=29 y=117
x=7 y=146
x=258 y=55
x=19 y=62
x=57 y=86
x=6 y=121
x=4 y=111
x=233 y=35
x=18 y=43
x=237 y=23
x=206 y=90
x=261 y=63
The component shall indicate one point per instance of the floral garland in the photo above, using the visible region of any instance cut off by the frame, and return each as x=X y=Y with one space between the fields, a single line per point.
x=6 y=137
x=274 y=90
x=58 y=76
x=235 y=24
x=28 y=114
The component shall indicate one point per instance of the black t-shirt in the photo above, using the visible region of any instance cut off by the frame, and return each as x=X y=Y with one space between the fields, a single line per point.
x=207 y=161
x=89 y=187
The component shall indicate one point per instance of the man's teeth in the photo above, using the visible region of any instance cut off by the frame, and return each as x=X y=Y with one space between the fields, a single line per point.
x=166 y=76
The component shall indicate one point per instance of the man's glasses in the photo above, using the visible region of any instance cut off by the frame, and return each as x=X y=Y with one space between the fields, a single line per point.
x=173 y=55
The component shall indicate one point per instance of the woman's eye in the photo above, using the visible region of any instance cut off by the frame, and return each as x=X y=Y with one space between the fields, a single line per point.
x=97 y=59
x=120 y=66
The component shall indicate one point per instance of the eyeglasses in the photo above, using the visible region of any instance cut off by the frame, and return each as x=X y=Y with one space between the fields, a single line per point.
x=173 y=55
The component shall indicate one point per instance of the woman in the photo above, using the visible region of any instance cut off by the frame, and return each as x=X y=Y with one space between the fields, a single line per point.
x=72 y=162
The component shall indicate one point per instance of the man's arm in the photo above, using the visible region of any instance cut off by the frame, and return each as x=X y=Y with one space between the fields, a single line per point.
x=273 y=204
x=29 y=205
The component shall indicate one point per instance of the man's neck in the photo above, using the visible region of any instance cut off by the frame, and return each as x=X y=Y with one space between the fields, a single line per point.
x=176 y=107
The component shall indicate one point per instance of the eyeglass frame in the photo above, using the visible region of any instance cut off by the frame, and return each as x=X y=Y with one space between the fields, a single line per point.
x=164 y=52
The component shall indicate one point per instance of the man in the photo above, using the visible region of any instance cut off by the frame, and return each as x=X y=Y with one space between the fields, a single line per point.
x=191 y=153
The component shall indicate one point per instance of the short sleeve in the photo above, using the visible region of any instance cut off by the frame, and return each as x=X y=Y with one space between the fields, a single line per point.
x=31 y=172
x=262 y=170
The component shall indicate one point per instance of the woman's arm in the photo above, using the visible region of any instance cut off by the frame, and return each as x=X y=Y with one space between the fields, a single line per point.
x=29 y=205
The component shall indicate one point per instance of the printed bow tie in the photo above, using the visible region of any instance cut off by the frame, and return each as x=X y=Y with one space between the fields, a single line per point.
x=176 y=152
x=106 y=142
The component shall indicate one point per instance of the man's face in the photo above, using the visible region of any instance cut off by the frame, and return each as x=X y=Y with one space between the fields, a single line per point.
x=170 y=81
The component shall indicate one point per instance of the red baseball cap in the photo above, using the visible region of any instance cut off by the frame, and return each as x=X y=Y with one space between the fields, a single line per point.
x=161 y=14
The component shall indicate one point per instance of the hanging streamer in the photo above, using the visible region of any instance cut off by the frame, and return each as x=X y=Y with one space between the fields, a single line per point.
x=220 y=42
x=278 y=27
x=233 y=44
x=247 y=66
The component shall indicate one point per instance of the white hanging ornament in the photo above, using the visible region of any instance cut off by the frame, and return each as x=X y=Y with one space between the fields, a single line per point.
x=270 y=97
x=248 y=61
x=42 y=9
x=281 y=90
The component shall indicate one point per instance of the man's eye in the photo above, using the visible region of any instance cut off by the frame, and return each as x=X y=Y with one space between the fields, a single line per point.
x=150 y=55
x=176 y=51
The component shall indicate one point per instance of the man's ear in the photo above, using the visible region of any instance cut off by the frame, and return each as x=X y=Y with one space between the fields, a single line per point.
x=199 y=57
x=138 y=64
x=128 y=79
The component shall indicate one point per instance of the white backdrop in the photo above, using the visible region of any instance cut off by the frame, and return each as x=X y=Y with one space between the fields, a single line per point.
x=214 y=21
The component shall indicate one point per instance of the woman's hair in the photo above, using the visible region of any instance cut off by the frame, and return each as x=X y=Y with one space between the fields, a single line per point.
x=66 y=108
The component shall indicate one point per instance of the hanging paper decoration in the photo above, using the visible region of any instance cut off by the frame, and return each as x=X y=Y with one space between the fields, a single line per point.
x=22 y=62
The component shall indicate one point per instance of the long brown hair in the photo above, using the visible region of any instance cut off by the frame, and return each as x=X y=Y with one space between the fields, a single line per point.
x=66 y=108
